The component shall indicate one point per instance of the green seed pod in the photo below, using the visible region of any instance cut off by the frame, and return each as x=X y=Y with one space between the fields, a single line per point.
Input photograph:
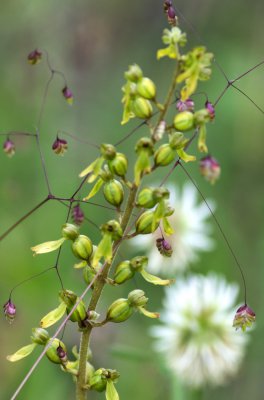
x=114 y=192
x=123 y=272
x=164 y=155
x=82 y=247
x=144 y=223
x=184 y=121
x=119 y=311
x=137 y=298
x=177 y=140
x=108 y=151
x=134 y=73
x=118 y=165
x=52 y=354
x=88 y=275
x=40 y=336
x=70 y=231
x=142 y=108
x=146 y=88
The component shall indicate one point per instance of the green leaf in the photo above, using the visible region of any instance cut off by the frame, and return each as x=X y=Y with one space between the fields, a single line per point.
x=171 y=51
x=53 y=316
x=168 y=229
x=147 y=313
x=142 y=165
x=202 y=139
x=47 y=247
x=80 y=265
x=155 y=280
x=184 y=156
x=111 y=392
x=104 y=250
x=94 y=167
x=95 y=189
x=21 y=353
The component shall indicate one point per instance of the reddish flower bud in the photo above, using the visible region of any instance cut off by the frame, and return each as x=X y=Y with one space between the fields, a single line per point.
x=77 y=215
x=210 y=168
x=67 y=93
x=164 y=247
x=60 y=146
x=211 y=110
x=10 y=311
x=61 y=353
x=34 y=57
x=244 y=318
x=187 y=105
x=171 y=13
x=9 y=148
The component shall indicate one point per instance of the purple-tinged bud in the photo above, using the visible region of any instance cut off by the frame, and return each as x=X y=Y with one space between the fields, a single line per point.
x=210 y=108
x=171 y=13
x=164 y=247
x=60 y=146
x=34 y=57
x=210 y=169
x=77 y=215
x=187 y=105
x=9 y=148
x=10 y=311
x=67 y=94
x=61 y=353
x=244 y=318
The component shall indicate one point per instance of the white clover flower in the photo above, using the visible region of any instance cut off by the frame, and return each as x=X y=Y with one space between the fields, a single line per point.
x=196 y=336
x=191 y=233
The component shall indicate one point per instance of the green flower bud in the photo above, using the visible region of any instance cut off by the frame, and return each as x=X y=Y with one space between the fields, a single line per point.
x=108 y=151
x=92 y=315
x=177 y=140
x=70 y=299
x=98 y=381
x=70 y=231
x=118 y=165
x=82 y=247
x=142 y=108
x=164 y=155
x=88 y=274
x=146 y=88
x=112 y=227
x=137 y=298
x=139 y=262
x=40 y=336
x=52 y=354
x=119 y=311
x=134 y=73
x=201 y=117
x=184 y=121
x=114 y=192
x=144 y=223
x=144 y=144
x=123 y=272
x=146 y=198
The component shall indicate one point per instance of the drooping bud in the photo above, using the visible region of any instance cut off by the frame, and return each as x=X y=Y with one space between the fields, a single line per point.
x=187 y=105
x=60 y=146
x=77 y=215
x=146 y=88
x=164 y=247
x=210 y=169
x=144 y=223
x=184 y=121
x=244 y=318
x=70 y=231
x=171 y=14
x=114 y=192
x=119 y=311
x=67 y=94
x=40 y=336
x=137 y=298
x=164 y=155
x=118 y=165
x=9 y=311
x=82 y=247
x=210 y=108
x=108 y=151
x=159 y=131
x=34 y=57
x=9 y=148
x=142 y=108
x=53 y=354
x=134 y=73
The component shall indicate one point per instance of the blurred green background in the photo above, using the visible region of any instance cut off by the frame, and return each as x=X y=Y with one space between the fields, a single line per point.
x=93 y=42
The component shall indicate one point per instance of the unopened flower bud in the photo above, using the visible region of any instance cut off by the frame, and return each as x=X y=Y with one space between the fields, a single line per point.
x=137 y=298
x=114 y=192
x=139 y=262
x=92 y=315
x=244 y=317
x=88 y=274
x=201 y=117
x=119 y=311
x=40 y=336
x=210 y=168
x=60 y=146
x=9 y=148
x=70 y=231
x=123 y=272
x=210 y=108
x=34 y=57
x=184 y=121
x=53 y=354
x=98 y=380
x=134 y=73
x=113 y=227
x=187 y=105
x=146 y=88
x=164 y=155
x=177 y=140
x=118 y=165
x=70 y=299
x=146 y=198
x=144 y=223
x=164 y=247
x=142 y=108
x=159 y=131
x=77 y=215
x=108 y=151
x=9 y=311
x=82 y=247
x=62 y=355
x=67 y=94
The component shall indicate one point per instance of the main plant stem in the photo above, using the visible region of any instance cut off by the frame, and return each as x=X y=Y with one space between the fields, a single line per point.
x=81 y=391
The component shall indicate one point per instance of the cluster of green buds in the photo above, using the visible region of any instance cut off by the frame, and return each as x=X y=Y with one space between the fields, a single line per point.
x=104 y=380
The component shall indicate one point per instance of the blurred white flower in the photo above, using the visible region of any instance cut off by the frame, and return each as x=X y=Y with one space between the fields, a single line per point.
x=191 y=233
x=196 y=337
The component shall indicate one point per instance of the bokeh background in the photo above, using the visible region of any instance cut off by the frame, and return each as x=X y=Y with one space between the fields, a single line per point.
x=93 y=43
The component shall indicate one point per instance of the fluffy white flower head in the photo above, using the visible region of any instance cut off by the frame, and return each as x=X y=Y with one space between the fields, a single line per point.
x=191 y=228
x=196 y=336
